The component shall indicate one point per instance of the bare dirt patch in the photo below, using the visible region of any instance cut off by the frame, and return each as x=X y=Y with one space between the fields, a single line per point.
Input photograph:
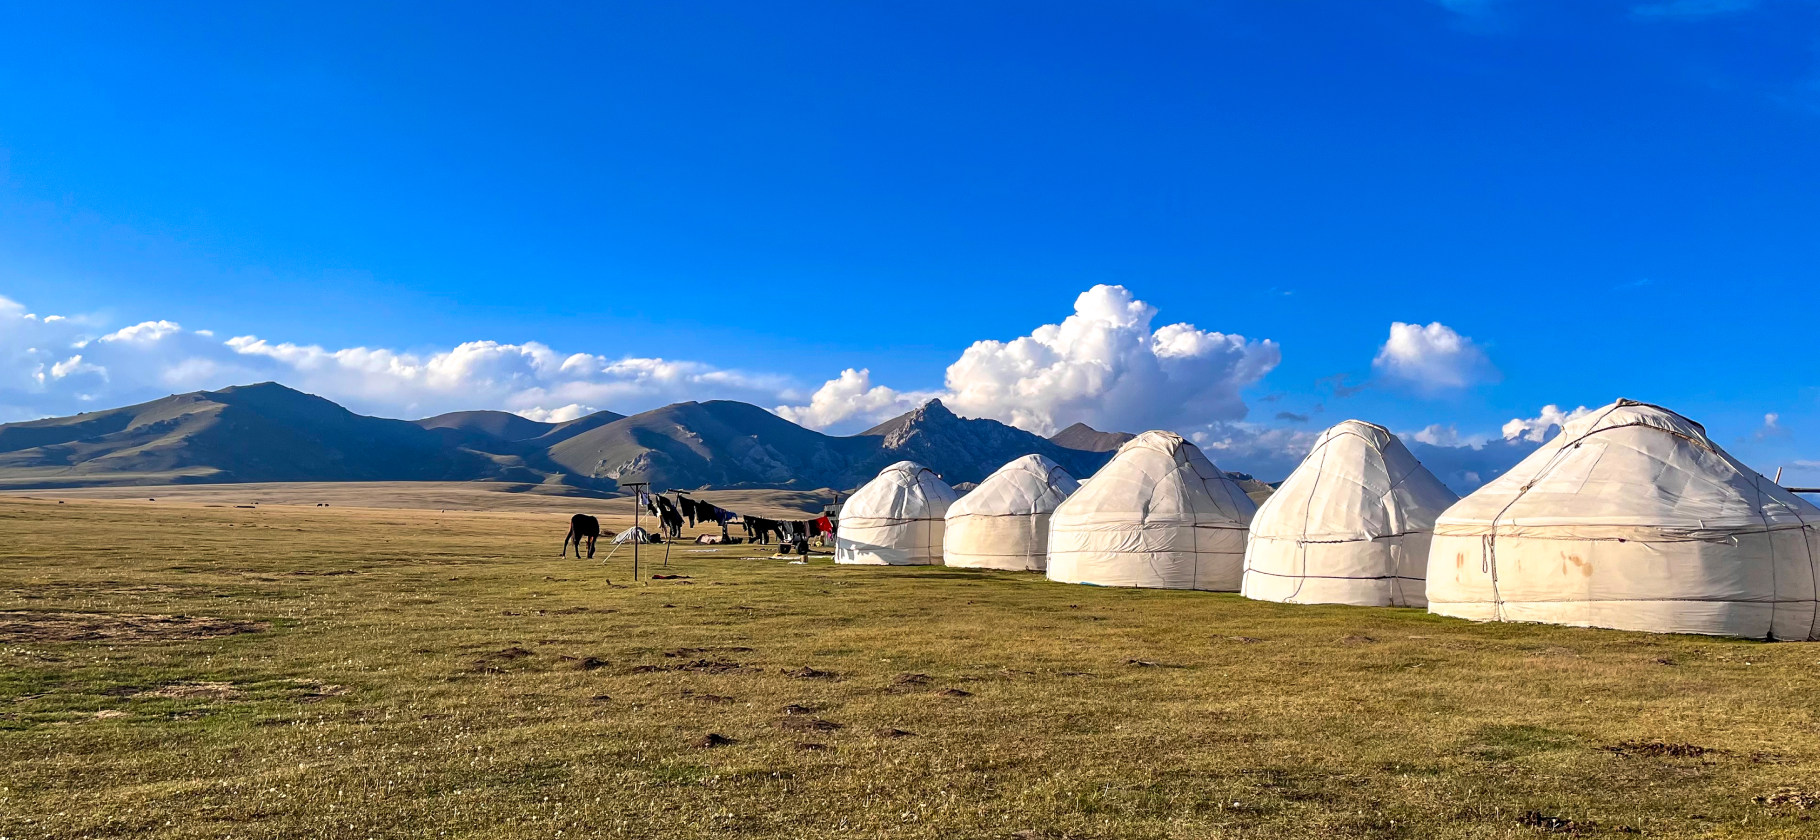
x=1552 y=824
x=315 y=691
x=1657 y=749
x=496 y=662
x=1789 y=797
x=117 y=628
x=194 y=691
x=906 y=683
x=808 y=673
x=799 y=723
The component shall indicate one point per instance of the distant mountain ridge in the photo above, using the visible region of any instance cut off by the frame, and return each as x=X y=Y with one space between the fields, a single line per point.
x=268 y=432
x=1084 y=437
x=264 y=432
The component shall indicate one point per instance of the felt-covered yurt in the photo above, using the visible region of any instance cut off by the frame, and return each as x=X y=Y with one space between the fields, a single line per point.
x=895 y=519
x=1158 y=515
x=1351 y=525
x=1004 y=522
x=1632 y=518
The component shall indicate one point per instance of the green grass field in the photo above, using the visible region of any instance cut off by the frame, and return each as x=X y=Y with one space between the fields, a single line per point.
x=188 y=671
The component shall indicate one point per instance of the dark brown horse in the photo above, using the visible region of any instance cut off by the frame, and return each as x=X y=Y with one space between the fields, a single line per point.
x=581 y=526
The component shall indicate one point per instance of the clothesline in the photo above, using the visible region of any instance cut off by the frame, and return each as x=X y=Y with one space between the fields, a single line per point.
x=672 y=514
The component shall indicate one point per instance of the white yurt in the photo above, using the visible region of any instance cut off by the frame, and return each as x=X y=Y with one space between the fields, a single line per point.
x=1632 y=518
x=1159 y=515
x=1351 y=525
x=1004 y=522
x=895 y=519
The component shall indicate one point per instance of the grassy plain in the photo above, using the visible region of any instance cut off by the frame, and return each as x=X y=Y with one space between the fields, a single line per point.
x=180 y=670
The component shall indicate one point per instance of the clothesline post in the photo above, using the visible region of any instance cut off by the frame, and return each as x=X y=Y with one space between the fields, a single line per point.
x=638 y=488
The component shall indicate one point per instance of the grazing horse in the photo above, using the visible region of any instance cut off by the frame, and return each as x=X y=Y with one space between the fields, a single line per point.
x=581 y=525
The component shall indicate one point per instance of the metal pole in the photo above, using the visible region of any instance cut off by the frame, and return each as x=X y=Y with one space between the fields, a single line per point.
x=637 y=487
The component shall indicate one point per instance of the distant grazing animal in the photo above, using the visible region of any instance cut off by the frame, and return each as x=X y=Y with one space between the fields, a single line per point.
x=581 y=525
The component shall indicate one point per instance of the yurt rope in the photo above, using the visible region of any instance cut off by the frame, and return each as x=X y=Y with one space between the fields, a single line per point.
x=1813 y=571
x=1769 y=539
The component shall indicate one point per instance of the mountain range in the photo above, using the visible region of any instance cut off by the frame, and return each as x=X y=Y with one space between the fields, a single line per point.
x=268 y=432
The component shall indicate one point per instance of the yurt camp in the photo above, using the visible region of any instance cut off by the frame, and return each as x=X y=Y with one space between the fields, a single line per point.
x=1351 y=525
x=1633 y=519
x=896 y=519
x=1004 y=522
x=1159 y=515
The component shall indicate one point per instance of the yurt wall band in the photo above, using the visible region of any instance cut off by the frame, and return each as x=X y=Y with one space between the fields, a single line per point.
x=896 y=519
x=1351 y=525
x=1159 y=515
x=1632 y=518
x=1004 y=522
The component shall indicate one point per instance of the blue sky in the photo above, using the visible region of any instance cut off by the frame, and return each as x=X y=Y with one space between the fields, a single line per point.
x=693 y=200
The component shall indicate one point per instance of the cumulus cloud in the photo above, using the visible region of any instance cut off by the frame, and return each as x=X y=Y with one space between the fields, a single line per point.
x=1268 y=453
x=148 y=332
x=1436 y=434
x=1535 y=429
x=1432 y=358
x=852 y=399
x=562 y=414
x=56 y=365
x=1103 y=365
x=1771 y=428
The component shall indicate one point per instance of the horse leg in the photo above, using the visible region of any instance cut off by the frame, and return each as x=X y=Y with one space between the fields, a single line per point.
x=591 y=539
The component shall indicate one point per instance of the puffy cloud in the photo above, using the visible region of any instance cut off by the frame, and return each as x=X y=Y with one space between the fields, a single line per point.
x=513 y=376
x=1437 y=435
x=74 y=365
x=557 y=415
x=147 y=332
x=1535 y=429
x=1102 y=365
x=1771 y=428
x=56 y=365
x=1432 y=358
x=1268 y=453
x=852 y=399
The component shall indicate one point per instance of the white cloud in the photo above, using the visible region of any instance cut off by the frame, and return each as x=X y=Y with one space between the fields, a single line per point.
x=1535 y=429
x=850 y=399
x=74 y=365
x=143 y=333
x=1432 y=358
x=557 y=415
x=1437 y=435
x=1771 y=428
x=1102 y=365
x=1268 y=453
x=151 y=359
